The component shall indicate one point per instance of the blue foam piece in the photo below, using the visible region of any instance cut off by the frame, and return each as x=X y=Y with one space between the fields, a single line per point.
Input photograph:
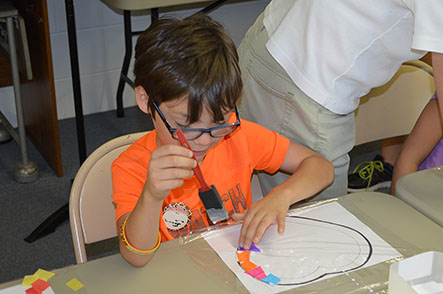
x=271 y=280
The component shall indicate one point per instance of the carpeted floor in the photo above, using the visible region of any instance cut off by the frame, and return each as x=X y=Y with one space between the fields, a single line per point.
x=24 y=206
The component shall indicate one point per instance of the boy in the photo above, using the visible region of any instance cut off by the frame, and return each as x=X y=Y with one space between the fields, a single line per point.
x=187 y=77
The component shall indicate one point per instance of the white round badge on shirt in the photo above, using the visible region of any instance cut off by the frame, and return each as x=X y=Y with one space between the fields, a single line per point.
x=176 y=216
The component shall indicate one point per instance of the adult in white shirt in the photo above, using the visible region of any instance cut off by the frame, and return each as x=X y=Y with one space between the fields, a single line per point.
x=306 y=63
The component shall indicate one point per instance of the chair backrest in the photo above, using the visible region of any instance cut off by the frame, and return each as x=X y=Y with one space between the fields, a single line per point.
x=392 y=109
x=91 y=211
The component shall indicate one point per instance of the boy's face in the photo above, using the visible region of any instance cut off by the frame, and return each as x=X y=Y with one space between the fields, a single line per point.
x=176 y=114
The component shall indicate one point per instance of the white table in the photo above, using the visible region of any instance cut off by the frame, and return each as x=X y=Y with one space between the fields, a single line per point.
x=178 y=268
x=423 y=190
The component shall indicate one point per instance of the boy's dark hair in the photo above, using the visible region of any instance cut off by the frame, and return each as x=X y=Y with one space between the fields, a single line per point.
x=193 y=58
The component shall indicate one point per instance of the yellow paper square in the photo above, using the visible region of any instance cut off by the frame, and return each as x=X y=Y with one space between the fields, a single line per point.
x=43 y=275
x=28 y=280
x=74 y=284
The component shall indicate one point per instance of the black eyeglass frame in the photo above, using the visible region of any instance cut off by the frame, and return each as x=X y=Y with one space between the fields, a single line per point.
x=202 y=131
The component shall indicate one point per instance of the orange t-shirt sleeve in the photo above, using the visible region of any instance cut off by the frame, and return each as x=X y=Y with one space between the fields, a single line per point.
x=129 y=175
x=267 y=148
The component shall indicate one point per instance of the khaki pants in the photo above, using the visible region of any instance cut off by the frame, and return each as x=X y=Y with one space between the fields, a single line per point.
x=273 y=100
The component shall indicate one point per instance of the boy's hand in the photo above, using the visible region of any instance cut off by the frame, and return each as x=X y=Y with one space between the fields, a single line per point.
x=271 y=210
x=168 y=166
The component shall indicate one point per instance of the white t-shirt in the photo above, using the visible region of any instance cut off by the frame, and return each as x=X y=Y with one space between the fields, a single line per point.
x=338 y=50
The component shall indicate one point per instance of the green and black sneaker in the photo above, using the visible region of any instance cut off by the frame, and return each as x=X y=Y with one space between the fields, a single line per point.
x=370 y=176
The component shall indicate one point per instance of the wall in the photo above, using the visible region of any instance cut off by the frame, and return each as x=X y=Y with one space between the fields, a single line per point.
x=101 y=50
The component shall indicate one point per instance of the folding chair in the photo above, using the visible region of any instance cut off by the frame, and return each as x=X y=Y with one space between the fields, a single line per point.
x=91 y=211
x=392 y=109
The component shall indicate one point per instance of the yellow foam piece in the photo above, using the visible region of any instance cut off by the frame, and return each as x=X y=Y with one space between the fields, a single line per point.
x=43 y=275
x=74 y=284
x=28 y=280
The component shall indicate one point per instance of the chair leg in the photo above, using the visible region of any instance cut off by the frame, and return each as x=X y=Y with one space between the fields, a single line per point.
x=126 y=61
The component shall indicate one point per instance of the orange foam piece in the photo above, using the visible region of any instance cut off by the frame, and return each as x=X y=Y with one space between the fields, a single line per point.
x=248 y=266
x=243 y=256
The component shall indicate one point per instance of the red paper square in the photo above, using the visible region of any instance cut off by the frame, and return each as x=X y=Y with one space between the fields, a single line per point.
x=32 y=291
x=40 y=285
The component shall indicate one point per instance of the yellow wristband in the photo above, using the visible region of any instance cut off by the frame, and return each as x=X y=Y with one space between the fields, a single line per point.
x=132 y=249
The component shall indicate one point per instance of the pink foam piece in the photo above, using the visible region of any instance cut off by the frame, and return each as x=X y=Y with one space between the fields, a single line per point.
x=257 y=273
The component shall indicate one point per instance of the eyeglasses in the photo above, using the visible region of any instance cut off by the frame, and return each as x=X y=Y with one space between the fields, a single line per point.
x=192 y=134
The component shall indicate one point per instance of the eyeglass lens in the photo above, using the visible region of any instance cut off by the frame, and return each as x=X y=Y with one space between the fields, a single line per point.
x=216 y=133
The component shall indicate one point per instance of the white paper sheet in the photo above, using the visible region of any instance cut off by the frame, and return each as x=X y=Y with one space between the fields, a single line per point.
x=18 y=289
x=318 y=243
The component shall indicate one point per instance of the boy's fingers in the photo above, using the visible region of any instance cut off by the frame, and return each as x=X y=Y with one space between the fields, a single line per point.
x=172 y=161
x=255 y=230
x=162 y=188
x=261 y=229
x=177 y=173
x=247 y=217
x=171 y=184
x=165 y=174
x=241 y=238
x=238 y=216
x=167 y=150
x=249 y=231
x=281 y=224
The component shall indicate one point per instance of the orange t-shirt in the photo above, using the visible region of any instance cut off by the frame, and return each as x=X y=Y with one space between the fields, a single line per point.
x=228 y=166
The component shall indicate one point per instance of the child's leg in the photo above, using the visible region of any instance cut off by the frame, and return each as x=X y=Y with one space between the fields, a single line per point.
x=391 y=147
x=421 y=142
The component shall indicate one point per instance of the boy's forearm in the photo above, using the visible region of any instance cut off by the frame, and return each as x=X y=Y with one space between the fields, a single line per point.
x=313 y=175
x=141 y=230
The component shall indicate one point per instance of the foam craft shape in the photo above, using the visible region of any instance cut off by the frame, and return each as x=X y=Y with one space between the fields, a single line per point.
x=326 y=240
x=40 y=285
x=74 y=284
x=252 y=248
x=257 y=273
x=243 y=256
x=271 y=280
x=32 y=291
x=248 y=266
x=28 y=280
x=43 y=274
